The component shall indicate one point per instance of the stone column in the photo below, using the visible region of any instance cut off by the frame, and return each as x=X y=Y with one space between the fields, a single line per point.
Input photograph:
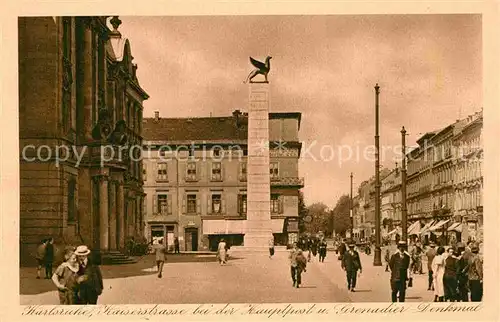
x=120 y=216
x=112 y=215
x=103 y=214
x=87 y=83
x=258 y=224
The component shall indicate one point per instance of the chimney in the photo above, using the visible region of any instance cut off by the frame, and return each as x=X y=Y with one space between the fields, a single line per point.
x=157 y=115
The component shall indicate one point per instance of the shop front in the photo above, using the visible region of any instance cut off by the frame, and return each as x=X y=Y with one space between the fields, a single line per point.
x=164 y=231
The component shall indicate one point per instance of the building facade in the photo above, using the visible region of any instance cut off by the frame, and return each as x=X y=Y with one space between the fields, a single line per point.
x=468 y=179
x=391 y=203
x=195 y=179
x=445 y=183
x=78 y=95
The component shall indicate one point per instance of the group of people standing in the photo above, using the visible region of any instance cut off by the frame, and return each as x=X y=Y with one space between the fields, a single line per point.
x=455 y=272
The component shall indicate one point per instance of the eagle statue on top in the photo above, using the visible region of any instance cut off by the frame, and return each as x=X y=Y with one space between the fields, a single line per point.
x=261 y=68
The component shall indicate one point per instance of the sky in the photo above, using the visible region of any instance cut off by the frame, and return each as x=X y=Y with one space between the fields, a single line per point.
x=428 y=67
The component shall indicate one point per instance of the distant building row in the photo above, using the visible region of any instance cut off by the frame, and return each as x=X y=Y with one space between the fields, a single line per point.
x=444 y=188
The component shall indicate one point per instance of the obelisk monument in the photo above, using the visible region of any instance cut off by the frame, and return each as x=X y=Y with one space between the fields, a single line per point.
x=258 y=229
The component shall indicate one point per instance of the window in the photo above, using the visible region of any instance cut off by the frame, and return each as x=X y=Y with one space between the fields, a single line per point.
x=243 y=171
x=191 y=204
x=216 y=203
x=191 y=171
x=273 y=170
x=216 y=152
x=71 y=199
x=275 y=204
x=242 y=204
x=162 y=204
x=162 y=172
x=144 y=173
x=216 y=171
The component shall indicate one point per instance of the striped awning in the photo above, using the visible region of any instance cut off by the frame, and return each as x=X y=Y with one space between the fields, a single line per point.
x=439 y=225
x=427 y=226
x=414 y=228
x=456 y=227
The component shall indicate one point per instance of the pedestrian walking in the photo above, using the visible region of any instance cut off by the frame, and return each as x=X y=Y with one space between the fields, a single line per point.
x=298 y=263
x=416 y=256
x=431 y=253
x=65 y=279
x=322 y=250
x=176 y=246
x=351 y=263
x=161 y=256
x=399 y=265
x=40 y=257
x=342 y=249
x=222 y=252
x=271 y=247
x=49 y=257
x=387 y=259
x=462 y=274
x=438 y=274
x=89 y=277
x=475 y=274
x=451 y=268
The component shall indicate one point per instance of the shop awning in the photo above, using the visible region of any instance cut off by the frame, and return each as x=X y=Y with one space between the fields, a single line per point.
x=223 y=227
x=414 y=229
x=427 y=226
x=439 y=225
x=277 y=225
x=456 y=227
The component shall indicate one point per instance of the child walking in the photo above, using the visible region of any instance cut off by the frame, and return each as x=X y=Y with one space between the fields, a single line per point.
x=64 y=279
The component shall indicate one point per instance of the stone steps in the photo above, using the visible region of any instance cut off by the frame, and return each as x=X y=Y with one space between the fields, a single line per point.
x=116 y=258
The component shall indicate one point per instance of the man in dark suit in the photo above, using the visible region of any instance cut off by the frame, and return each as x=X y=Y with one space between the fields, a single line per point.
x=89 y=277
x=399 y=264
x=351 y=263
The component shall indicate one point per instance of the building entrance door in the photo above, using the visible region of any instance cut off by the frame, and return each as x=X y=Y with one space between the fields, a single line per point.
x=191 y=237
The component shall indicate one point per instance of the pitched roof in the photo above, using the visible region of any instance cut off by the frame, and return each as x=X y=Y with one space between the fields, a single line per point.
x=200 y=128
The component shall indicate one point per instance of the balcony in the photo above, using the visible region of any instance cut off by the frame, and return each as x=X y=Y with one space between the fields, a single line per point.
x=287 y=182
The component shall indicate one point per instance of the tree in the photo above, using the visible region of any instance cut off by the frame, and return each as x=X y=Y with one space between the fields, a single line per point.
x=341 y=220
x=319 y=215
x=302 y=213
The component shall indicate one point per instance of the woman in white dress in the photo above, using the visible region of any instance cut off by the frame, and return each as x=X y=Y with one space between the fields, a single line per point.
x=438 y=270
x=221 y=252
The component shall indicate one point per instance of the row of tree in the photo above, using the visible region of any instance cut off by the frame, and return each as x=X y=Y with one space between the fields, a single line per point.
x=317 y=217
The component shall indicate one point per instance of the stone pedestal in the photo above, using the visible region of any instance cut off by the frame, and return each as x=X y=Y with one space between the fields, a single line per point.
x=258 y=230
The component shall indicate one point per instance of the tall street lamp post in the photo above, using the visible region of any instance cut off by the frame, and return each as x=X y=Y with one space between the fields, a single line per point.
x=351 y=211
x=404 y=213
x=377 y=258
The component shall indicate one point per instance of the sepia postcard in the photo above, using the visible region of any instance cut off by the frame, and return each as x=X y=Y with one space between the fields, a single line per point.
x=250 y=160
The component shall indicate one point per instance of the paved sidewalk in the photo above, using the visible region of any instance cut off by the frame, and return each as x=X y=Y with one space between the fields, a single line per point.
x=373 y=284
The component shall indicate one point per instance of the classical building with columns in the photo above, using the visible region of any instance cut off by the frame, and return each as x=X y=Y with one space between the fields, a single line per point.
x=78 y=95
x=195 y=179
